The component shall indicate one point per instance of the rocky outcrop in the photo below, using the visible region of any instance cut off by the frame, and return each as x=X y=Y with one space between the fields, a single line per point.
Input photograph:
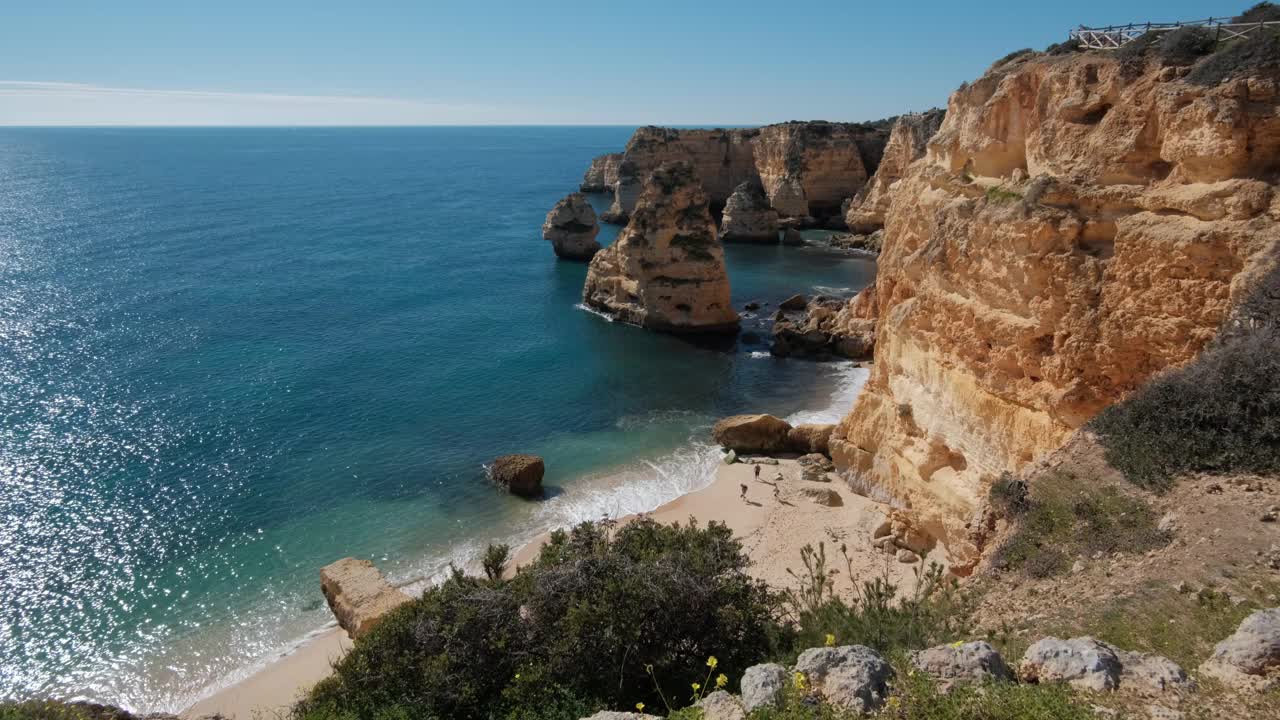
x=1072 y=230
x=666 y=270
x=953 y=663
x=810 y=438
x=809 y=169
x=602 y=176
x=626 y=191
x=851 y=677
x=762 y=685
x=1250 y=658
x=571 y=228
x=720 y=705
x=1090 y=664
x=519 y=474
x=748 y=216
x=358 y=594
x=825 y=327
x=907 y=142
x=752 y=433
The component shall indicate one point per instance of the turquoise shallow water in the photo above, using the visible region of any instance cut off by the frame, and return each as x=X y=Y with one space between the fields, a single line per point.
x=228 y=357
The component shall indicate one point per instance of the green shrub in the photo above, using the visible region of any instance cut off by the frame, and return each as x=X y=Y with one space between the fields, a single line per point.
x=1257 y=54
x=600 y=616
x=998 y=194
x=1262 y=12
x=1220 y=413
x=1066 y=47
x=877 y=616
x=1061 y=521
x=918 y=698
x=55 y=710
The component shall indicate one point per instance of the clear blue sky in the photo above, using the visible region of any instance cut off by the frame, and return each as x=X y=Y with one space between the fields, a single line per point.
x=587 y=62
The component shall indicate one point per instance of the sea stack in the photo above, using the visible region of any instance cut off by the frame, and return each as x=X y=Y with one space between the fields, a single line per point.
x=748 y=216
x=625 y=192
x=571 y=228
x=666 y=271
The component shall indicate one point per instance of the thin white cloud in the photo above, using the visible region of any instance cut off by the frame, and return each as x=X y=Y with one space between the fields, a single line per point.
x=26 y=102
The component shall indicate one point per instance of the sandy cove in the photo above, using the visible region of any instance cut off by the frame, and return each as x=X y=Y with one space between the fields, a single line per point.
x=772 y=532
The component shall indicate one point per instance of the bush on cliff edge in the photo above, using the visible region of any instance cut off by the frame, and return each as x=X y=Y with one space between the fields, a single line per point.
x=601 y=616
x=1218 y=414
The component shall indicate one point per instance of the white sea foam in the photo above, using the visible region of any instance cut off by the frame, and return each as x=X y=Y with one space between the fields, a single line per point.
x=593 y=311
x=757 y=354
x=851 y=378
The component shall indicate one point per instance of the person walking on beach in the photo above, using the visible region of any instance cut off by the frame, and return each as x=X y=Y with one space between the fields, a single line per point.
x=743 y=496
x=757 y=473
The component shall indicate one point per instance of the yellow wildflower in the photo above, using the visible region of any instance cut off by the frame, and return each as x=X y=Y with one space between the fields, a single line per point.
x=721 y=680
x=697 y=687
x=640 y=707
x=712 y=662
x=798 y=680
x=831 y=640
x=893 y=702
x=517 y=676
x=956 y=645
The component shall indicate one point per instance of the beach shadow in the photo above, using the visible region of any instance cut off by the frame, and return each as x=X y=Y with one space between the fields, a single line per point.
x=753 y=503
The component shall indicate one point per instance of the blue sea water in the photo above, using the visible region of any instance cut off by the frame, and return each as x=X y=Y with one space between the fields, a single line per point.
x=231 y=356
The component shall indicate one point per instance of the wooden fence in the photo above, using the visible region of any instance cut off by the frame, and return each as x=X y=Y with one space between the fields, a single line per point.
x=1113 y=37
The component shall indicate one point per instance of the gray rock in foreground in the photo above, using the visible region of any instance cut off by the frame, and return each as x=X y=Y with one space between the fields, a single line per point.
x=853 y=677
x=762 y=684
x=720 y=705
x=963 y=662
x=1250 y=657
x=1082 y=662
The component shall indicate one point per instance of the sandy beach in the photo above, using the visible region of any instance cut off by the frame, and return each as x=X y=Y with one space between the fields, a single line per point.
x=772 y=529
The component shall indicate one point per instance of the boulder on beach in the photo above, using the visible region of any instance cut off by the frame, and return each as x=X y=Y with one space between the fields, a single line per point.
x=358 y=594
x=810 y=438
x=752 y=433
x=519 y=474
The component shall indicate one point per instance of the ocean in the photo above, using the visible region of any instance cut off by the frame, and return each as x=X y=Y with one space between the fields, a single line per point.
x=229 y=357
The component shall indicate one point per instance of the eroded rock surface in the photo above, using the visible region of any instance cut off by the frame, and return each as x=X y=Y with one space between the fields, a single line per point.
x=762 y=685
x=358 y=594
x=666 y=270
x=1250 y=657
x=809 y=168
x=853 y=677
x=962 y=662
x=748 y=216
x=752 y=433
x=1072 y=230
x=626 y=192
x=571 y=228
x=602 y=176
x=907 y=142
x=519 y=474
x=823 y=328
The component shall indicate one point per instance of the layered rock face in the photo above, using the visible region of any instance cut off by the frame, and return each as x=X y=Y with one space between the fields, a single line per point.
x=666 y=271
x=907 y=143
x=602 y=176
x=748 y=216
x=1008 y=311
x=811 y=168
x=571 y=228
x=626 y=190
x=358 y=594
x=721 y=159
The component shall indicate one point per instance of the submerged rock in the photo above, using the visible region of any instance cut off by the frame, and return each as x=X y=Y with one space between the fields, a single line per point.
x=752 y=433
x=519 y=474
x=358 y=594
x=666 y=271
x=748 y=216
x=571 y=228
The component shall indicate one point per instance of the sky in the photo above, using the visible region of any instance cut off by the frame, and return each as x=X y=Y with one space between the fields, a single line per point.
x=592 y=62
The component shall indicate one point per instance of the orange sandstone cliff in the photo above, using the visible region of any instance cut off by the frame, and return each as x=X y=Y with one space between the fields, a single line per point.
x=1076 y=225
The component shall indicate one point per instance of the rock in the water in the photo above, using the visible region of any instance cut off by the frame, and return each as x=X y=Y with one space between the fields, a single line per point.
x=792 y=236
x=666 y=271
x=854 y=677
x=752 y=433
x=962 y=662
x=1083 y=662
x=626 y=193
x=810 y=438
x=358 y=594
x=748 y=216
x=602 y=176
x=795 y=302
x=1250 y=657
x=822 y=496
x=824 y=327
x=762 y=685
x=571 y=228
x=720 y=705
x=519 y=474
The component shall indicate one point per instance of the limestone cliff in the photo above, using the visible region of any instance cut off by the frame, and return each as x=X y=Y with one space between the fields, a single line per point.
x=907 y=142
x=1075 y=226
x=721 y=159
x=748 y=216
x=666 y=270
x=571 y=228
x=810 y=168
x=602 y=176
x=626 y=188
